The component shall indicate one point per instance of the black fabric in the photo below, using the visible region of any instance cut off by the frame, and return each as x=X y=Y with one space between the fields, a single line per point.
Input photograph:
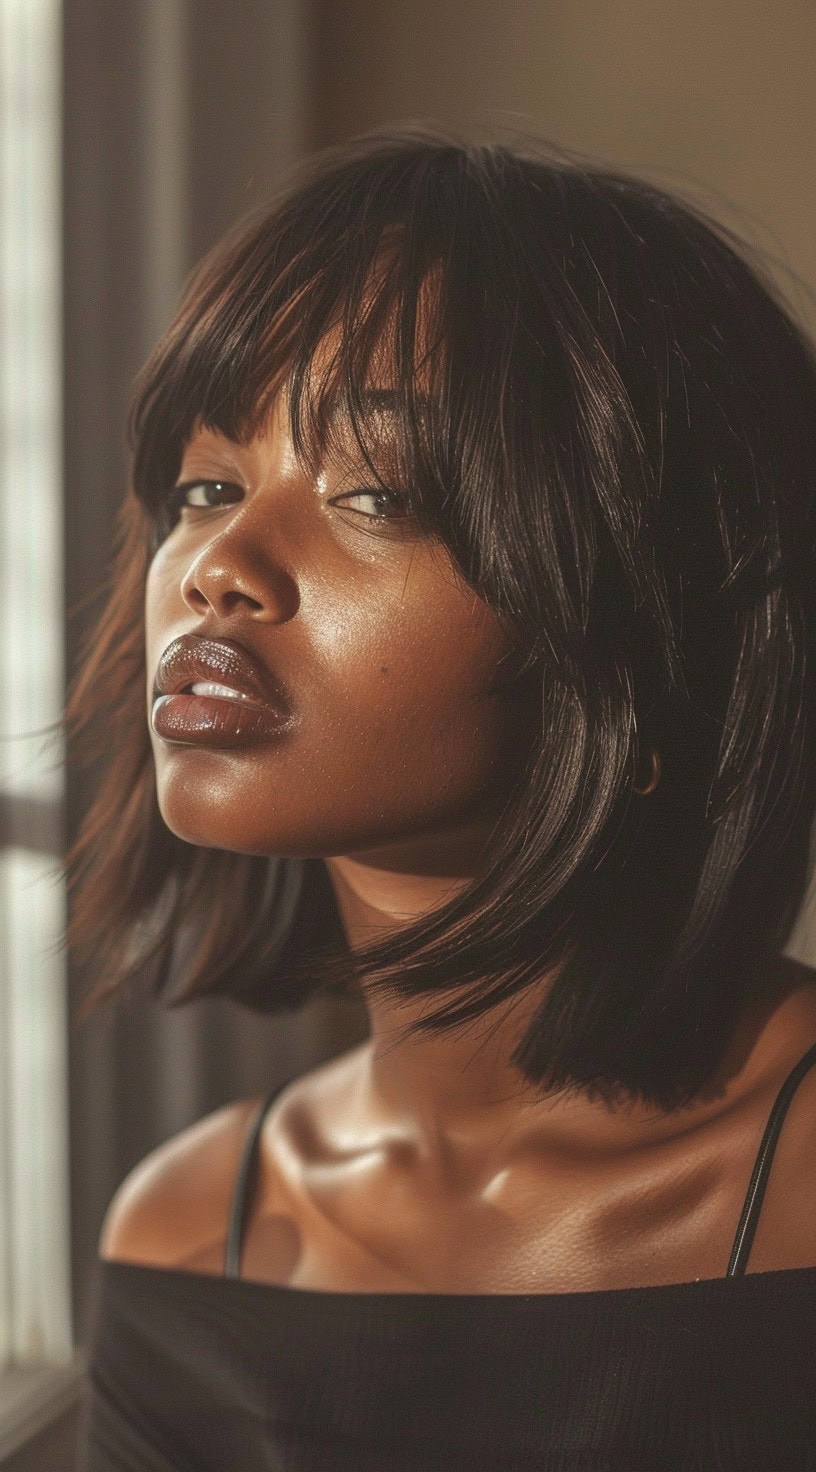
x=191 y=1372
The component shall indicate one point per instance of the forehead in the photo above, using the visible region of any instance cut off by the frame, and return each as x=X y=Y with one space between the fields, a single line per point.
x=371 y=381
x=361 y=371
x=401 y=320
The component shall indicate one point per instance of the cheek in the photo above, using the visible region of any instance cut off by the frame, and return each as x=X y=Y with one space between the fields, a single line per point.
x=413 y=694
x=152 y=617
x=156 y=602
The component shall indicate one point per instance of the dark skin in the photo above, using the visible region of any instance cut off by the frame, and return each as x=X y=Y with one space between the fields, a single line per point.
x=426 y=1164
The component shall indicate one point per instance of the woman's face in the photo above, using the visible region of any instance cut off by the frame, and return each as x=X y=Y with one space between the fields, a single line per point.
x=387 y=656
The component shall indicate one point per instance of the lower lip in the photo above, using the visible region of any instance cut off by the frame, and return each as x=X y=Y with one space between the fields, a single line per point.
x=208 y=720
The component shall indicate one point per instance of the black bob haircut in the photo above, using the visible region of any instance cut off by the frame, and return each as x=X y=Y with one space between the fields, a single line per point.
x=620 y=456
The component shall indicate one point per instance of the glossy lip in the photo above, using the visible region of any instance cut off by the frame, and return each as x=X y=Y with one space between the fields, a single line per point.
x=216 y=721
x=195 y=657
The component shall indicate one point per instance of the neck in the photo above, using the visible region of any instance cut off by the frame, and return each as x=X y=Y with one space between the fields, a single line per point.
x=460 y=1087
x=443 y=1083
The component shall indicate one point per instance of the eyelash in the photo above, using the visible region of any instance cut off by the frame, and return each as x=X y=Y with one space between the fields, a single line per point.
x=178 y=502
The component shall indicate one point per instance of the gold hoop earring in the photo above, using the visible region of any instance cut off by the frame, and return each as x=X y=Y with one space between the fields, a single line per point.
x=653 y=780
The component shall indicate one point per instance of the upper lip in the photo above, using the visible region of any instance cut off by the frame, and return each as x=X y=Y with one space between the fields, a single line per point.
x=194 y=657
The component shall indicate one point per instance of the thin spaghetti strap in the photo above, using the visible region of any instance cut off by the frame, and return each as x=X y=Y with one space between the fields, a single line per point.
x=244 y=1181
x=759 y=1179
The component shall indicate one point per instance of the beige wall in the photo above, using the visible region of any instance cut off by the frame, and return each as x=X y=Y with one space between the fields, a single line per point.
x=714 y=97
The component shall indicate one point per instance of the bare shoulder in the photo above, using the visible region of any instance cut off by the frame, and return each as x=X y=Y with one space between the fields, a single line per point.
x=175 y=1202
x=172 y=1210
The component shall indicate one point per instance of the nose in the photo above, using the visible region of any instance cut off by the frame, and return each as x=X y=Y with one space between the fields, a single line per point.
x=236 y=569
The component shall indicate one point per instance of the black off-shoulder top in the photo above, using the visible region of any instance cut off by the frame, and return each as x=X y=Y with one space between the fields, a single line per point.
x=192 y=1372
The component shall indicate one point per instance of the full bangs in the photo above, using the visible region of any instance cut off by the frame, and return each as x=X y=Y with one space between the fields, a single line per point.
x=374 y=327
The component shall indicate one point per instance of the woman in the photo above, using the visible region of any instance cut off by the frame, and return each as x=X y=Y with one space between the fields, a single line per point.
x=467 y=572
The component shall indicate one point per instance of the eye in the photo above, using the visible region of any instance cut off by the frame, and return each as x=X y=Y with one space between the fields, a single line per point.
x=206 y=489
x=392 y=505
x=388 y=509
